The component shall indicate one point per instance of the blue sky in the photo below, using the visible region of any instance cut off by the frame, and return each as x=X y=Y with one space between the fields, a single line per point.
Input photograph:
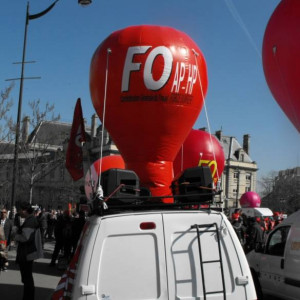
x=229 y=33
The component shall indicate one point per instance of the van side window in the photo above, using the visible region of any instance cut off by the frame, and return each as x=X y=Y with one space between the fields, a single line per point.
x=277 y=241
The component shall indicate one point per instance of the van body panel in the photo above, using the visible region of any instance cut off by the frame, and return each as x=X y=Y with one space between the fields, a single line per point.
x=278 y=271
x=155 y=255
x=184 y=270
x=131 y=257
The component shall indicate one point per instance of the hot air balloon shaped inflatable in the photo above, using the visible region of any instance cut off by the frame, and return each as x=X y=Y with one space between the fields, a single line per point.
x=148 y=84
x=250 y=199
x=281 y=58
x=200 y=149
x=99 y=166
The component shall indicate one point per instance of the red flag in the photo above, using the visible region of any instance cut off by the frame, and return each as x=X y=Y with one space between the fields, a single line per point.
x=74 y=156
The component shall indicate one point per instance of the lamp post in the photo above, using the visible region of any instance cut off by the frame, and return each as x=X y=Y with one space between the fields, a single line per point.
x=84 y=2
x=237 y=188
x=17 y=137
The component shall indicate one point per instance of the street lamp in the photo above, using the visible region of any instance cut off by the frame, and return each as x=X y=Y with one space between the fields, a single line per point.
x=237 y=188
x=84 y=2
x=17 y=137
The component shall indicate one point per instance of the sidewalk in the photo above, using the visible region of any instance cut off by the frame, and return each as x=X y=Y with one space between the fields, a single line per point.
x=45 y=278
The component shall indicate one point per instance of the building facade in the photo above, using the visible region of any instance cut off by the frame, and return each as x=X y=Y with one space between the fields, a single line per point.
x=240 y=171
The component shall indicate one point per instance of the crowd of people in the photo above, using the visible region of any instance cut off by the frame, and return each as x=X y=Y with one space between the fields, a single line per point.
x=29 y=230
x=253 y=231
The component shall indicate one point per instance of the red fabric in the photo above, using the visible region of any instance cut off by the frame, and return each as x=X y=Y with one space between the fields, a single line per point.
x=74 y=156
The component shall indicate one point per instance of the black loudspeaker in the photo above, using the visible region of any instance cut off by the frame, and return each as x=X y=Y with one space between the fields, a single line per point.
x=121 y=184
x=194 y=184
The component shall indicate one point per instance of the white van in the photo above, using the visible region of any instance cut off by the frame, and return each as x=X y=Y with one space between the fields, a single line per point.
x=276 y=268
x=159 y=254
x=260 y=212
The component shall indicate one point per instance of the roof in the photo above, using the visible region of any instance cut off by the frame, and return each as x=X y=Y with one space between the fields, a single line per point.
x=232 y=148
x=52 y=132
x=7 y=148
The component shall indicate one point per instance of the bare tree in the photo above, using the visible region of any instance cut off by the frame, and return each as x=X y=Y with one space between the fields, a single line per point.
x=40 y=153
x=6 y=138
x=280 y=193
x=6 y=122
x=266 y=183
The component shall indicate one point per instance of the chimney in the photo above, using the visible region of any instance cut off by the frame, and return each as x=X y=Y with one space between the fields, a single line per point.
x=203 y=129
x=25 y=129
x=94 y=125
x=219 y=134
x=246 y=143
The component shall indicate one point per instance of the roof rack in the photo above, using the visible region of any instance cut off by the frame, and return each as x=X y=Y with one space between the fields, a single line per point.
x=192 y=190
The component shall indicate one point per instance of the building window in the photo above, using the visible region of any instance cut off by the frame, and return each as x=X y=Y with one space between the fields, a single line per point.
x=247 y=189
x=242 y=157
x=248 y=177
x=236 y=175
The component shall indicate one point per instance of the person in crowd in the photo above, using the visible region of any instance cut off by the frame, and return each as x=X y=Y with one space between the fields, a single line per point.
x=51 y=225
x=42 y=217
x=7 y=225
x=254 y=235
x=62 y=237
x=277 y=218
x=3 y=253
x=238 y=227
x=77 y=226
x=25 y=238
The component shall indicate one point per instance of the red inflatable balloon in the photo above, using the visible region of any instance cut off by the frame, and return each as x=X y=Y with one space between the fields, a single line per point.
x=200 y=149
x=148 y=80
x=106 y=163
x=250 y=199
x=281 y=58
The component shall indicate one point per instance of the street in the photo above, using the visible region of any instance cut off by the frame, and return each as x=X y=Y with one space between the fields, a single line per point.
x=45 y=278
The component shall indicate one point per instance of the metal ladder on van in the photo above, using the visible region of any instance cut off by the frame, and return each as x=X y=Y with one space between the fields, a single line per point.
x=207 y=228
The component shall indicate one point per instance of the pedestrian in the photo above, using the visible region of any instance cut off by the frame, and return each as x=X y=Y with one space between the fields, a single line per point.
x=255 y=235
x=51 y=220
x=27 y=248
x=7 y=225
x=238 y=227
x=77 y=226
x=43 y=222
x=60 y=232
x=3 y=253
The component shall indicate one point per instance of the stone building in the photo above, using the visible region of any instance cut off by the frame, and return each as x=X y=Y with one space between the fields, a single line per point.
x=42 y=177
x=240 y=171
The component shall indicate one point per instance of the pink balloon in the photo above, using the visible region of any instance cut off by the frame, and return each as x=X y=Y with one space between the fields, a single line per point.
x=250 y=199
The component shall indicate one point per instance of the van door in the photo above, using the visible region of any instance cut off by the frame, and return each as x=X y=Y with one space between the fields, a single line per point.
x=132 y=259
x=292 y=263
x=272 y=262
x=185 y=277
